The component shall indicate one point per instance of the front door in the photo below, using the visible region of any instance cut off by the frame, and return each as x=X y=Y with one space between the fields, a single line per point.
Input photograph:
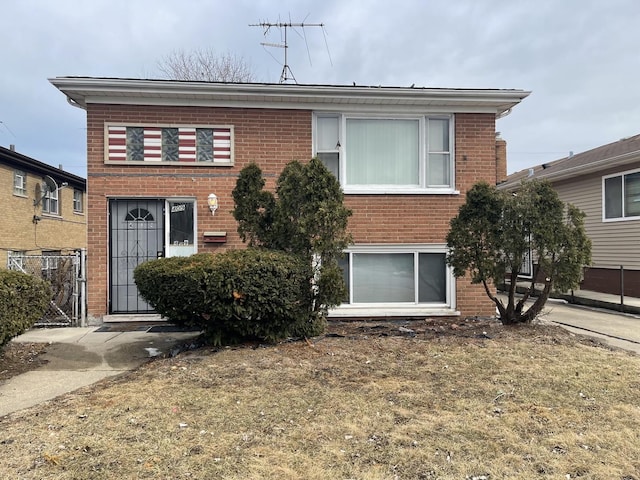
x=137 y=235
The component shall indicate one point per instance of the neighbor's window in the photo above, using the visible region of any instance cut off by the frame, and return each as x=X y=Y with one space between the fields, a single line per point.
x=202 y=146
x=50 y=203
x=403 y=155
x=77 y=200
x=400 y=277
x=20 y=182
x=621 y=196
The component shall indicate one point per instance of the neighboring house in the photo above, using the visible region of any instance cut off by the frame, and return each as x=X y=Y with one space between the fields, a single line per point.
x=159 y=150
x=604 y=183
x=42 y=208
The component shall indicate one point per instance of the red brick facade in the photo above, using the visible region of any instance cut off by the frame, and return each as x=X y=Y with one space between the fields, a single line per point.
x=271 y=138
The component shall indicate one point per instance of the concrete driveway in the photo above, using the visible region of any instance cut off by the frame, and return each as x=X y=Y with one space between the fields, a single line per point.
x=617 y=329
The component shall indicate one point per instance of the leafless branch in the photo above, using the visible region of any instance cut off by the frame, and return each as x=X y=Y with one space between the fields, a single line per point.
x=205 y=65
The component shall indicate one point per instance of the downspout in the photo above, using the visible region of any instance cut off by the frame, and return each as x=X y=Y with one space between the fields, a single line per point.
x=73 y=103
x=503 y=114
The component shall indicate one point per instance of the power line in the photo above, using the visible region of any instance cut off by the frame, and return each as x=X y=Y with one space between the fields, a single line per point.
x=8 y=129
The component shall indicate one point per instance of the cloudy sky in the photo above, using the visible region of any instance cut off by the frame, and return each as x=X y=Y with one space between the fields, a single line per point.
x=580 y=58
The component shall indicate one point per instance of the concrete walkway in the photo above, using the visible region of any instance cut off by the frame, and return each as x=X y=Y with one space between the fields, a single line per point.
x=81 y=356
x=616 y=329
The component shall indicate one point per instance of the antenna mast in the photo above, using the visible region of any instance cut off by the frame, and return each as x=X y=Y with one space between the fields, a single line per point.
x=286 y=74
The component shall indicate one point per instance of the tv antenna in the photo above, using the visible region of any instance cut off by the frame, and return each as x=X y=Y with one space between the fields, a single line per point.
x=287 y=74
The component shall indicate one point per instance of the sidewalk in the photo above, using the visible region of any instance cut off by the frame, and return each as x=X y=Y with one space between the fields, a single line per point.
x=81 y=356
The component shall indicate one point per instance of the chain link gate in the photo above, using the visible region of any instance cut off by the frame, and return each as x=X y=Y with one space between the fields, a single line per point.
x=66 y=275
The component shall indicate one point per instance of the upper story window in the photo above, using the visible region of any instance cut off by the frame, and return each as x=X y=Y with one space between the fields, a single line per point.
x=621 y=196
x=50 y=203
x=387 y=155
x=19 y=182
x=207 y=145
x=77 y=200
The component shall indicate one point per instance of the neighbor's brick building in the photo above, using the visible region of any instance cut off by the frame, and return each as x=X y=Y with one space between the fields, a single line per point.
x=35 y=221
x=405 y=158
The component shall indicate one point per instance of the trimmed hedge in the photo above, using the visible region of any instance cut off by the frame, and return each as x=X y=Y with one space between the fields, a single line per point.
x=23 y=300
x=238 y=294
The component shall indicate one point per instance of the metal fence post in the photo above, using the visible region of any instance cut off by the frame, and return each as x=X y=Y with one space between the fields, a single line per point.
x=622 y=288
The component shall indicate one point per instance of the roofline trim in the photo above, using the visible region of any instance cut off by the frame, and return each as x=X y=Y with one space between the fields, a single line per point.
x=35 y=166
x=84 y=90
x=582 y=169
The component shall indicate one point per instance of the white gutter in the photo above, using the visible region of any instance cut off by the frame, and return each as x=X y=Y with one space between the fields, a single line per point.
x=102 y=90
x=578 y=170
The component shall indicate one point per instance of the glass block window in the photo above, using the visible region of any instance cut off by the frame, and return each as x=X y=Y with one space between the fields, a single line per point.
x=169 y=144
x=20 y=182
x=204 y=144
x=135 y=144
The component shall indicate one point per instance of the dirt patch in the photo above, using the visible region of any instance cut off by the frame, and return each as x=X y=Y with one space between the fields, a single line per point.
x=17 y=358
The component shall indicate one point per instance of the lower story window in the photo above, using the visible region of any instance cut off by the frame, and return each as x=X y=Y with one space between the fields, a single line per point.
x=407 y=277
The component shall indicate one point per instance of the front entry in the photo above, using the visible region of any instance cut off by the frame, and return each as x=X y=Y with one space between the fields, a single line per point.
x=137 y=235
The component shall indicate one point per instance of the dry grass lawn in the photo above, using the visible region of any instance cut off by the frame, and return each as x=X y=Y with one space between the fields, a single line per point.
x=365 y=402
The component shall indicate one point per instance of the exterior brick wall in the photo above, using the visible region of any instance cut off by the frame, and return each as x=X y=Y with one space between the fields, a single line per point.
x=64 y=232
x=271 y=138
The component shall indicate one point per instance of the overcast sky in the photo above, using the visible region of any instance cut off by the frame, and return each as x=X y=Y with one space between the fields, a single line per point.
x=580 y=58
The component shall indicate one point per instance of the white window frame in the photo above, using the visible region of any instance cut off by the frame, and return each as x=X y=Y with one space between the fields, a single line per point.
x=400 y=308
x=187 y=159
x=78 y=203
x=50 y=200
x=424 y=151
x=623 y=218
x=20 y=183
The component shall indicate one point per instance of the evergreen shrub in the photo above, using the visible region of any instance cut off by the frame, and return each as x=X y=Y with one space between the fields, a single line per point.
x=23 y=300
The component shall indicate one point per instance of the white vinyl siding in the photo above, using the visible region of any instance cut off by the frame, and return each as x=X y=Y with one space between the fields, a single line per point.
x=613 y=243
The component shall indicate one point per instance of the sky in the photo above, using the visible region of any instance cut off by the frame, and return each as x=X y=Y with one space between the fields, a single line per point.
x=579 y=58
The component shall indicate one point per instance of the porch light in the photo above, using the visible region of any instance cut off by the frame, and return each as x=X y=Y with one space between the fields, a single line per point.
x=212 y=200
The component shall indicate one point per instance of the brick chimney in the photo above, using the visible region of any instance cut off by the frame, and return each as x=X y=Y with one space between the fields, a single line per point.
x=501 y=159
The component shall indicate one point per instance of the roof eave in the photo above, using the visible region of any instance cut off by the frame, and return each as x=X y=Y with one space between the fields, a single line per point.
x=83 y=91
x=35 y=166
x=578 y=170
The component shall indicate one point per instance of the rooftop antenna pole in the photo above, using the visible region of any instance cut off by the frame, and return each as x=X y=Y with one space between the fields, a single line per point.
x=286 y=74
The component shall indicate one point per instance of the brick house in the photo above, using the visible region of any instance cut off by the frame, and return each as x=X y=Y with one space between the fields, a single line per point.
x=159 y=149
x=36 y=220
